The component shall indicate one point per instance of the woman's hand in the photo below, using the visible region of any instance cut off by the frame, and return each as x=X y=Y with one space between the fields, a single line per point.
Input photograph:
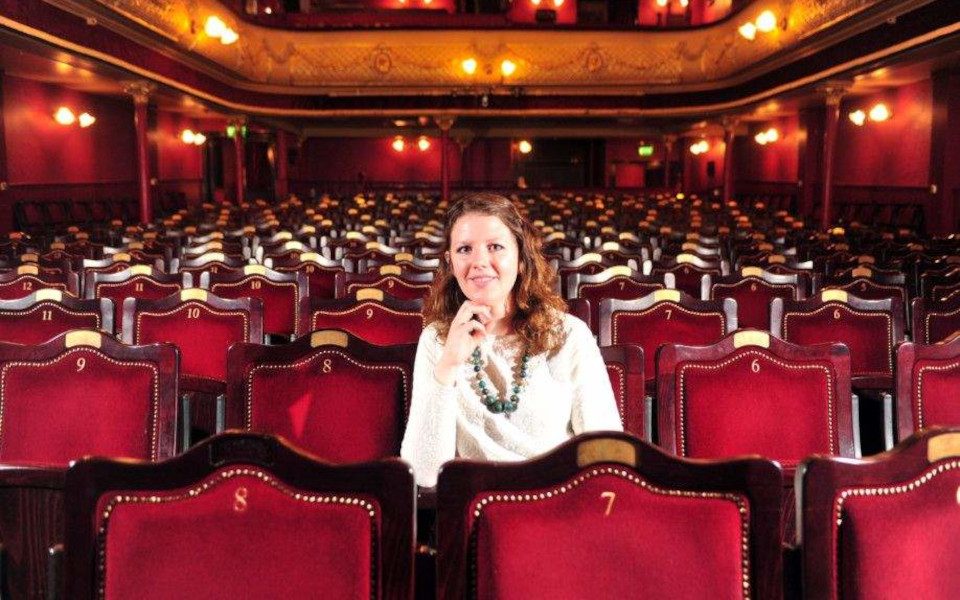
x=467 y=330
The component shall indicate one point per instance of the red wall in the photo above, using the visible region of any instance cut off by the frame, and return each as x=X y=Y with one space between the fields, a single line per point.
x=701 y=11
x=524 y=11
x=624 y=166
x=695 y=178
x=777 y=161
x=327 y=159
x=892 y=153
x=41 y=151
x=179 y=165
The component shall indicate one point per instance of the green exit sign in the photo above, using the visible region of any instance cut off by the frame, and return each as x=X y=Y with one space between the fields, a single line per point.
x=645 y=150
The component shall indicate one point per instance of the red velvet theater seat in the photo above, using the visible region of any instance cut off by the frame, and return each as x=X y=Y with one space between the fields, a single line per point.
x=79 y=394
x=27 y=279
x=372 y=316
x=48 y=313
x=751 y=393
x=689 y=272
x=388 y=279
x=935 y=321
x=139 y=281
x=212 y=262
x=887 y=527
x=665 y=317
x=625 y=368
x=753 y=289
x=618 y=282
x=608 y=516
x=83 y=393
x=285 y=296
x=202 y=325
x=330 y=393
x=870 y=328
x=928 y=385
x=239 y=516
x=321 y=272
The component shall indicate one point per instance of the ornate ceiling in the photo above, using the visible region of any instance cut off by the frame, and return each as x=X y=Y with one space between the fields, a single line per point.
x=561 y=73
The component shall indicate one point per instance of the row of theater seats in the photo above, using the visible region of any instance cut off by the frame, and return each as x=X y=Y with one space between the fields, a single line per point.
x=758 y=393
x=602 y=516
x=345 y=400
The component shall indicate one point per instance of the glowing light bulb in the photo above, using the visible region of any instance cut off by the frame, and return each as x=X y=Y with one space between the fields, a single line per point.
x=199 y=139
x=214 y=27
x=469 y=66
x=64 y=116
x=229 y=36
x=761 y=138
x=423 y=143
x=508 y=67
x=398 y=144
x=879 y=112
x=662 y=3
x=86 y=119
x=767 y=21
x=525 y=147
x=748 y=30
x=858 y=117
x=773 y=135
x=187 y=136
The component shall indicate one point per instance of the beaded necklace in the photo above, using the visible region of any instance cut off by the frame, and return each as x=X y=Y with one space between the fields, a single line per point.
x=490 y=398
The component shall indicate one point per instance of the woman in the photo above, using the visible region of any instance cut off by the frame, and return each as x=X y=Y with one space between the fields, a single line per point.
x=502 y=372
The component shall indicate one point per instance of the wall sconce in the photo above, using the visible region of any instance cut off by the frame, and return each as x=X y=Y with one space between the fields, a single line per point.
x=524 y=147
x=662 y=3
x=767 y=137
x=879 y=112
x=216 y=28
x=64 y=116
x=398 y=144
x=699 y=148
x=765 y=22
x=423 y=143
x=187 y=136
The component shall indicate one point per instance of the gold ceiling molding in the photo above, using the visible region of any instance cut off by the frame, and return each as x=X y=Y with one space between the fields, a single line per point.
x=374 y=61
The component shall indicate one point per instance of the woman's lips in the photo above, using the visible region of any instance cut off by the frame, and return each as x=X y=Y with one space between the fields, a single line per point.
x=482 y=281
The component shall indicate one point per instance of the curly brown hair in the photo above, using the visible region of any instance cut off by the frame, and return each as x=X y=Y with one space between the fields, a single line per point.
x=538 y=308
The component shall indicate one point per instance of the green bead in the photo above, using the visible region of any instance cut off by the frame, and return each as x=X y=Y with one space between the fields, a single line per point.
x=497 y=407
x=509 y=407
x=516 y=389
x=515 y=398
x=482 y=384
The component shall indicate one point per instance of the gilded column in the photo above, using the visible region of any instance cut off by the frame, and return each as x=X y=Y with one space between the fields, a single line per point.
x=730 y=133
x=282 y=188
x=140 y=91
x=444 y=123
x=834 y=93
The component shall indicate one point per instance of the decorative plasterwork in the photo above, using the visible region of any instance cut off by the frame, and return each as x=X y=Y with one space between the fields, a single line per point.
x=549 y=60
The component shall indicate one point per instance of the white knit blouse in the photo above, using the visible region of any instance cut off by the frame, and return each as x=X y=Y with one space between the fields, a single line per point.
x=564 y=395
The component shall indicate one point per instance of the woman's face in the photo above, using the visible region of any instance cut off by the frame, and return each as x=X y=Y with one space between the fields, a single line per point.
x=485 y=259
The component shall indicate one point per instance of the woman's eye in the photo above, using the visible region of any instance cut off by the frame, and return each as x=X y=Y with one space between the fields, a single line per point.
x=463 y=249
x=496 y=247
